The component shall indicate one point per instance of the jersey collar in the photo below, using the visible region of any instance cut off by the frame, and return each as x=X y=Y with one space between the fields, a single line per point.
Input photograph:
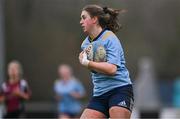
x=97 y=36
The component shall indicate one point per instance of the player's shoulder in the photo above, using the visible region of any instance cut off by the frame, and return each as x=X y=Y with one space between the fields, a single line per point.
x=108 y=35
x=85 y=40
x=4 y=85
x=85 y=43
x=23 y=82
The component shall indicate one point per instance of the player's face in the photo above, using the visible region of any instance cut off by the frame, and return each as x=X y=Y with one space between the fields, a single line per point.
x=64 y=72
x=13 y=70
x=86 y=21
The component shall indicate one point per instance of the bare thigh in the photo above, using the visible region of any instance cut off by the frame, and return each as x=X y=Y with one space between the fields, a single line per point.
x=116 y=112
x=92 y=114
x=63 y=117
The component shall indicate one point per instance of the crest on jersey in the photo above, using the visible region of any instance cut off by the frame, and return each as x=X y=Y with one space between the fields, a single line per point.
x=100 y=54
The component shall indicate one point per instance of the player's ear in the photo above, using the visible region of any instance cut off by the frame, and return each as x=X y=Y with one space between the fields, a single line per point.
x=95 y=19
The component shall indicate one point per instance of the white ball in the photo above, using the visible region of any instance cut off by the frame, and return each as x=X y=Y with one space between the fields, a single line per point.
x=96 y=52
x=100 y=54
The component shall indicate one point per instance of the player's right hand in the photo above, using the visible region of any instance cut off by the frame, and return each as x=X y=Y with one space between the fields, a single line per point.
x=83 y=59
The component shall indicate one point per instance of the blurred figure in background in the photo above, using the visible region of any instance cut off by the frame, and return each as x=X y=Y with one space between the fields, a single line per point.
x=173 y=112
x=68 y=92
x=176 y=93
x=145 y=88
x=14 y=91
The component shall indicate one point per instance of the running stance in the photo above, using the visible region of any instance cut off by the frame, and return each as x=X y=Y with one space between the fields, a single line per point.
x=103 y=55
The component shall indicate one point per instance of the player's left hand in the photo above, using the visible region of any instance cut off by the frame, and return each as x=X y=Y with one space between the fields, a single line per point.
x=83 y=59
x=17 y=92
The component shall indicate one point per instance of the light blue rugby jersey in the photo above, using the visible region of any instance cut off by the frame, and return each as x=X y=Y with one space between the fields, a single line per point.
x=64 y=90
x=114 y=55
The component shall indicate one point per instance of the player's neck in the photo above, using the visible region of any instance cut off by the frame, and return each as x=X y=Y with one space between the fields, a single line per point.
x=13 y=80
x=95 y=32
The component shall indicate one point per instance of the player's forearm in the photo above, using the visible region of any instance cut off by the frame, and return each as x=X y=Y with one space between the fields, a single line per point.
x=2 y=98
x=25 y=96
x=76 y=95
x=103 y=67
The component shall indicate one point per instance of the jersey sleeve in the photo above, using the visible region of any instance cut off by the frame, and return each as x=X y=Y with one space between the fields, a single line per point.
x=84 y=44
x=58 y=89
x=113 y=50
x=3 y=88
x=24 y=86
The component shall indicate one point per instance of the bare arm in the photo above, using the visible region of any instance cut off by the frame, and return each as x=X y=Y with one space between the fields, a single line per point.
x=76 y=95
x=2 y=98
x=25 y=95
x=103 y=67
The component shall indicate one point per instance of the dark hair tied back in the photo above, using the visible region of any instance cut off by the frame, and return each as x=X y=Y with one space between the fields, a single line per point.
x=107 y=17
x=105 y=9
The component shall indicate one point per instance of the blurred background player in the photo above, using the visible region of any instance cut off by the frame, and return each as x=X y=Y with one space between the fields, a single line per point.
x=103 y=54
x=68 y=92
x=14 y=91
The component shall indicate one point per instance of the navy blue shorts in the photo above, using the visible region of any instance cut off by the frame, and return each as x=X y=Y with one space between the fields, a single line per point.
x=121 y=96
